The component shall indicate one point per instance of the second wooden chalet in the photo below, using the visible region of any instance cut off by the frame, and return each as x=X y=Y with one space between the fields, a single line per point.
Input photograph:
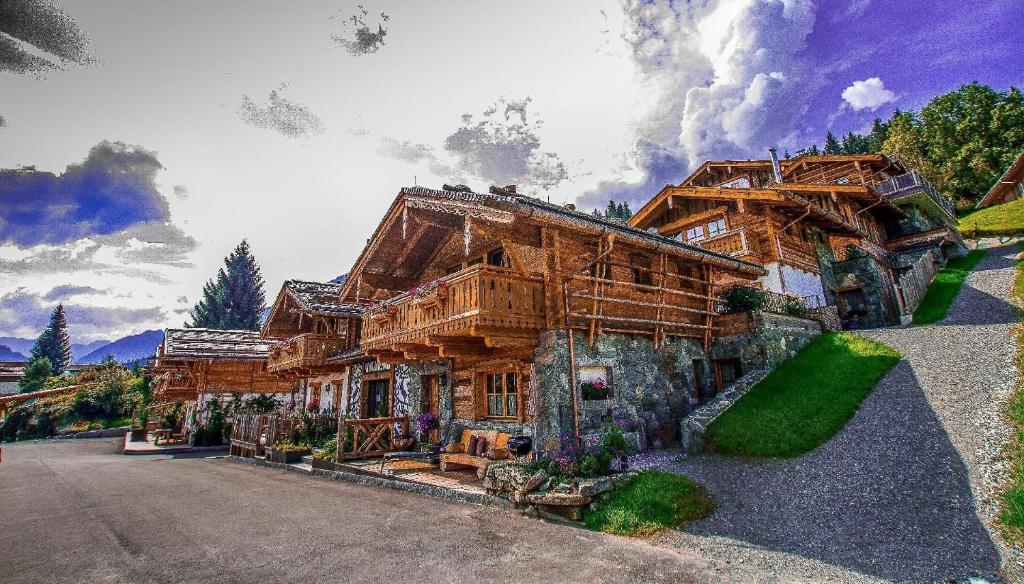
x=309 y=326
x=471 y=296
x=859 y=232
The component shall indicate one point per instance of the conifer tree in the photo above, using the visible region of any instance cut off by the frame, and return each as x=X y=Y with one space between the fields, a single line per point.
x=832 y=146
x=54 y=343
x=235 y=298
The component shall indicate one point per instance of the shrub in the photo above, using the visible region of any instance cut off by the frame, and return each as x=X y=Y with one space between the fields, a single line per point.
x=743 y=299
x=112 y=395
x=328 y=450
x=575 y=460
x=286 y=447
x=793 y=305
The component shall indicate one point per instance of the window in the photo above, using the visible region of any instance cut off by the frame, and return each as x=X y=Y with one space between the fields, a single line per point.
x=595 y=382
x=497 y=258
x=716 y=227
x=695 y=233
x=641 y=270
x=502 y=396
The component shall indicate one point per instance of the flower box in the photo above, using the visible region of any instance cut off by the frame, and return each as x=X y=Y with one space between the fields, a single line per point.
x=286 y=456
x=322 y=463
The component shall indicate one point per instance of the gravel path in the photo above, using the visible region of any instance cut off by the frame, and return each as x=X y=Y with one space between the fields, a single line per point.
x=904 y=491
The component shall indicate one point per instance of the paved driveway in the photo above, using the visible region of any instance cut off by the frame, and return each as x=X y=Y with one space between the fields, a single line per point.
x=904 y=491
x=76 y=511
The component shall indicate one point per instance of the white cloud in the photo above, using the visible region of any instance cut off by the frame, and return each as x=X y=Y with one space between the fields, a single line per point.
x=868 y=94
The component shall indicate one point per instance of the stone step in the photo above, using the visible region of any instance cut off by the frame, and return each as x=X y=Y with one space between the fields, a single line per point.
x=693 y=426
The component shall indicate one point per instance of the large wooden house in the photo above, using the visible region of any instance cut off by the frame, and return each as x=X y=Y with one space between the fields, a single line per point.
x=470 y=297
x=850 y=231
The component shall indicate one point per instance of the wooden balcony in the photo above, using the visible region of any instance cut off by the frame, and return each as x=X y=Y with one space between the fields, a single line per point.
x=798 y=254
x=305 y=351
x=479 y=309
x=734 y=243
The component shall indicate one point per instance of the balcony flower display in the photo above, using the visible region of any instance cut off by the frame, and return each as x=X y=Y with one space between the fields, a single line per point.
x=428 y=290
x=381 y=310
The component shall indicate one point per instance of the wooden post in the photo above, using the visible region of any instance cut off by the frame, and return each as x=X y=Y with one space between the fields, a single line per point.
x=596 y=293
x=659 y=329
x=710 y=274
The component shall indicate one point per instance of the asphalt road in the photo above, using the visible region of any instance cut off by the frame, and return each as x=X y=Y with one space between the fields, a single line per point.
x=78 y=511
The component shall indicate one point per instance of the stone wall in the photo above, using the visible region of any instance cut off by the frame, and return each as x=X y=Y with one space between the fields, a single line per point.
x=879 y=302
x=651 y=389
x=774 y=338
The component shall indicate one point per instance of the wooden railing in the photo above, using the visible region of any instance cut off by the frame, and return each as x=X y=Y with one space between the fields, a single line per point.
x=370 y=437
x=486 y=295
x=732 y=242
x=305 y=350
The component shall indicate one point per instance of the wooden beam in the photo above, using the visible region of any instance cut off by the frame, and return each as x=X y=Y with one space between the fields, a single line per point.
x=681 y=225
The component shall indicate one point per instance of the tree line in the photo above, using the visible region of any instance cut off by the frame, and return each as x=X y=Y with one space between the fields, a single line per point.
x=961 y=141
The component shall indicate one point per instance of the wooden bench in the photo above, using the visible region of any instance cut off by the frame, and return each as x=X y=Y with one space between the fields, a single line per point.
x=457 y=455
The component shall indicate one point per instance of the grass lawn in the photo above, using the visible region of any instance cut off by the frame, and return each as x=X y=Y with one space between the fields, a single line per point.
x=945 y=287
x=1012 y=514
x=1006 y=219
x=654 y=500
x=805 y=401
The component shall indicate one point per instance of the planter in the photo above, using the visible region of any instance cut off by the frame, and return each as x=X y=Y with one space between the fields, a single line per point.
x=286 y=456
x=322 y=464
x=138 y=435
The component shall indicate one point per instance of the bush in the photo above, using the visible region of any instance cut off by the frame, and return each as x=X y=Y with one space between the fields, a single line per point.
x=113 y=393
x=575 y=460
x=743 y=299
x=328 y=450
x=793 y=305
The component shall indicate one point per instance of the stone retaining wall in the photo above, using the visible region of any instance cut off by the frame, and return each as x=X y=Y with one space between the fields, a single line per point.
x=693 y=427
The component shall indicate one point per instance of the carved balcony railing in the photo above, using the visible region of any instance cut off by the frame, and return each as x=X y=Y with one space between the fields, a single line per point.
x=303 y=351
x=478 y=302
x=735 y=242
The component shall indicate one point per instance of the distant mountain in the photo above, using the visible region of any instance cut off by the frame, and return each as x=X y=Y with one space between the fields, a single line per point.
x=23 y=346
x=340 y=279
x=131 y=348
x=82 y=349
x=6 y=354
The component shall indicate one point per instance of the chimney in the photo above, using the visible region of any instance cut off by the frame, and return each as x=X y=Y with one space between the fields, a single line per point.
x=776 y=167
x=510 y=189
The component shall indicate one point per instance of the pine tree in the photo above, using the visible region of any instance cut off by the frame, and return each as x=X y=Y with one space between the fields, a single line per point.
x=54 y=343
x=813 y=150
x=879 y=132
x=832 y=146
x=235 y=299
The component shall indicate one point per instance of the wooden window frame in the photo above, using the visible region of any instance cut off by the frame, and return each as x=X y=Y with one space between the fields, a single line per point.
x=701 y=237
x=724 y=229
x=486 y=382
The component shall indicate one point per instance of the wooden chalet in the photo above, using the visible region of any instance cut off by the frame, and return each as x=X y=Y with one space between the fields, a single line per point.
x=309 y=325
x=195 y=362
x=1009 y=187
x=468 y=292
x=799 y=218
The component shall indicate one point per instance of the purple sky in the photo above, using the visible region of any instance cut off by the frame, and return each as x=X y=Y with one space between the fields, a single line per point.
x=174 y=130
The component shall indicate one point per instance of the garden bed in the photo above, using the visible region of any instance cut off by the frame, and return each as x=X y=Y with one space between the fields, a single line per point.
x=286 y=455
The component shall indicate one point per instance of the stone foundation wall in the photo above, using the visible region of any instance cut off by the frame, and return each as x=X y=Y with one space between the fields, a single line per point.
x=773 y=339
x=651 y=389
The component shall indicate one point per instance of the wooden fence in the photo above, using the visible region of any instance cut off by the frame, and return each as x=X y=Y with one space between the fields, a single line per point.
x=247 y=435
x=370 y=437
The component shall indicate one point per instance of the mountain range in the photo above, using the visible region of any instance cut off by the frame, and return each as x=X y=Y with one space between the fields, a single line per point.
x=125 y=350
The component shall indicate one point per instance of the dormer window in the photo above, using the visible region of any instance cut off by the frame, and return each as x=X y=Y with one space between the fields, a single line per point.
x=695 y=233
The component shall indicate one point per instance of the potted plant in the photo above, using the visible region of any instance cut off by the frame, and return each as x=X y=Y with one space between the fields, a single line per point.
x=381 y=312
x=138 y=433
x=595 y=390
x=287 y=453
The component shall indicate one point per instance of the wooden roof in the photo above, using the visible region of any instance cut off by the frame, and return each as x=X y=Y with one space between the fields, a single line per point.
x=201 y=343
x=445 y=212
x=1004 y=185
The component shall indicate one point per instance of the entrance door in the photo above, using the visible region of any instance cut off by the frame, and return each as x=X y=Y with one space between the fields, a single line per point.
x=431 y=398
x=377 y=398
x=726 y=372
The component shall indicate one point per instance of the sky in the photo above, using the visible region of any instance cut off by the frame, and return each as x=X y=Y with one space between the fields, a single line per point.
x=163 y=133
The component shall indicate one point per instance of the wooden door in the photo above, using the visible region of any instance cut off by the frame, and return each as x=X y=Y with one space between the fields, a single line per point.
x=377 y=398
